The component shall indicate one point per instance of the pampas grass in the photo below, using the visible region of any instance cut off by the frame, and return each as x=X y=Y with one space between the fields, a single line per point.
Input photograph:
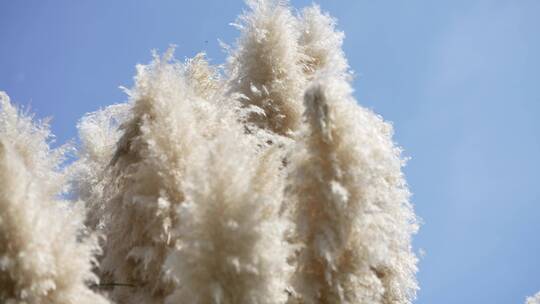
x=46 y=255
x=262 y=181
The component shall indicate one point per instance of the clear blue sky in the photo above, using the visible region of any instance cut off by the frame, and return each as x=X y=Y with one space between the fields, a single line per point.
x=459 y=79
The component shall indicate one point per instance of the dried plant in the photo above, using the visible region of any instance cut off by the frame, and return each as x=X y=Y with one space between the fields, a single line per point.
x=260 y=182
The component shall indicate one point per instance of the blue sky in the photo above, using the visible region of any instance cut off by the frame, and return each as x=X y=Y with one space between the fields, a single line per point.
x=460 y=80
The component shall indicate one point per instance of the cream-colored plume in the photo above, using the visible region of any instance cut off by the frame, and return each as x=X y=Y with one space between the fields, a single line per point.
x=46 y=255
x=265 y=69
x=168 y=118
x=231 y=247
x=98 y=132
x=353 y=218
x=321 y=43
